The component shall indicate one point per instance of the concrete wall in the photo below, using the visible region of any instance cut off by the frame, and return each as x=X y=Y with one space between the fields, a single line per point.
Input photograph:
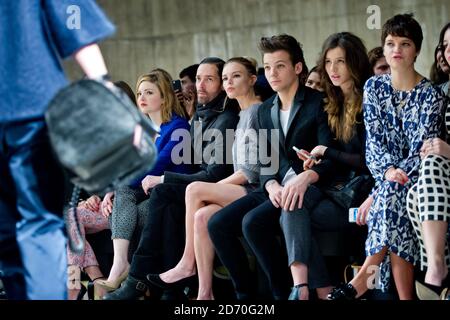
x=172 y=34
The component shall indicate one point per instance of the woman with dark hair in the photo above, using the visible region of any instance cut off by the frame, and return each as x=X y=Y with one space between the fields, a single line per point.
x=401 y=110
x=439 y=72
x=429 y=204
x=345 y=68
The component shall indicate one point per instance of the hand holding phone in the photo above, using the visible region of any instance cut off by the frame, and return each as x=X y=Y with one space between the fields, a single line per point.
x=304 y=154
x=176 y=85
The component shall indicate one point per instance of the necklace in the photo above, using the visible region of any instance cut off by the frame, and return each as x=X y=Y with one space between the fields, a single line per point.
x=403 y=101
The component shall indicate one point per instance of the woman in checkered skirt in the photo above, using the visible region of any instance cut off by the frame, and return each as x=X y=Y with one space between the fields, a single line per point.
x=429 y=202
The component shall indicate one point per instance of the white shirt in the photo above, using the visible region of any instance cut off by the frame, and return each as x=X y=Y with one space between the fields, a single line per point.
x=284 y=119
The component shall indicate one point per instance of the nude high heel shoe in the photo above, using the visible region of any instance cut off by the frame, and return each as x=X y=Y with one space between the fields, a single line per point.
x=113 y=285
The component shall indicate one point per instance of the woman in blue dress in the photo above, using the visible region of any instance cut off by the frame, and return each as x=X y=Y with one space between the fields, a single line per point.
x=401 y=110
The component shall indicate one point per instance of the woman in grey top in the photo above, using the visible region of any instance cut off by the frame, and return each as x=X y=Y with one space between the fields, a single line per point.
x=203 y=199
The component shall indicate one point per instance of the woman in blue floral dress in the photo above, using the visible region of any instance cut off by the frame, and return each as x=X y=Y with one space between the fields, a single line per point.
x=401 y=110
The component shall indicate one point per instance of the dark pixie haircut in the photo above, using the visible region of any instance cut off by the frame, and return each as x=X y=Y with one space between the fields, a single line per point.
x=190 y=71
x=374 y=55
x=290 y=45
x=403 y=25
x=219 y=63
x=247 y=63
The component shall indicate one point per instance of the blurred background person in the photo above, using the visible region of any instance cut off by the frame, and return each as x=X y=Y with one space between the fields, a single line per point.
x=378 y=61
x=313 y=80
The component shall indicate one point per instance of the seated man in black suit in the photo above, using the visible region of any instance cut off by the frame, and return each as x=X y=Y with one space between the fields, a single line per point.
x=296 y=112
x=162 y=240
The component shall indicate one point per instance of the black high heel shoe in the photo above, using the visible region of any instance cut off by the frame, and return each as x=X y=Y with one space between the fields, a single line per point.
x=344 y=291
x=155 y=279
x=295 y=293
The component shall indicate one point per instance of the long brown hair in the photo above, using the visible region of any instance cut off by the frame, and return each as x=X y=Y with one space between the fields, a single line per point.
x=162 y=79
x=343 y=113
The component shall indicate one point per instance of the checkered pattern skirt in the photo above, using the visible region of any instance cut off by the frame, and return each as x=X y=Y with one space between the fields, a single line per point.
x=429 y=199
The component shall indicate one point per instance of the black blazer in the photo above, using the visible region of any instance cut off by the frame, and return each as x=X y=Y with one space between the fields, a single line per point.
x=307 y=128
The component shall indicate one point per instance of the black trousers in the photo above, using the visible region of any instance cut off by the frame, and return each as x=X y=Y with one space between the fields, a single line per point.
x=254 y=217
x=163 y=238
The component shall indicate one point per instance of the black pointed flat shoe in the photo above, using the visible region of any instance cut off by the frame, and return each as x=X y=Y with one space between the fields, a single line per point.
x=344 y=291
x=156 y=280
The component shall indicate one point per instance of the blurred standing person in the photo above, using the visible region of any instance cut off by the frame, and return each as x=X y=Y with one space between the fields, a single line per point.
x=38 y=34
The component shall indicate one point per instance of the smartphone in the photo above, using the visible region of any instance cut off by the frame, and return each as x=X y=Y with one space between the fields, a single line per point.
x=352 y=214
x=302 y=152
x=176 y=85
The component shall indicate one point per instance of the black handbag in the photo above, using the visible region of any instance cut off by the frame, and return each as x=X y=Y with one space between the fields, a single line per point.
x=99 y=136
x=101 y=139
x=352 y=193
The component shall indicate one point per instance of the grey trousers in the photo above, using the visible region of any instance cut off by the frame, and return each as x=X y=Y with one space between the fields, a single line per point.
x=317 y=213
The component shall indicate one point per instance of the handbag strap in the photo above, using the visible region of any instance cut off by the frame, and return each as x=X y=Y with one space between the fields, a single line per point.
x=75 y=246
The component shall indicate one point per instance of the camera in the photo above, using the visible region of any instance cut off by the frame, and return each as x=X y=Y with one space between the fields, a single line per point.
x=176 y=85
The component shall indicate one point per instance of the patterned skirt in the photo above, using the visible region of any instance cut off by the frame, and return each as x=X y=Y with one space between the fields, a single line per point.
x=429 y=199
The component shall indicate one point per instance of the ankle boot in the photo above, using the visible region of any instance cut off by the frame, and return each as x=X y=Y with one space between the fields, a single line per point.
x=131 y=289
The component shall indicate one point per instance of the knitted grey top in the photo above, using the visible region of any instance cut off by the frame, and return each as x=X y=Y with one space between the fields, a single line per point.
x=245 y=145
